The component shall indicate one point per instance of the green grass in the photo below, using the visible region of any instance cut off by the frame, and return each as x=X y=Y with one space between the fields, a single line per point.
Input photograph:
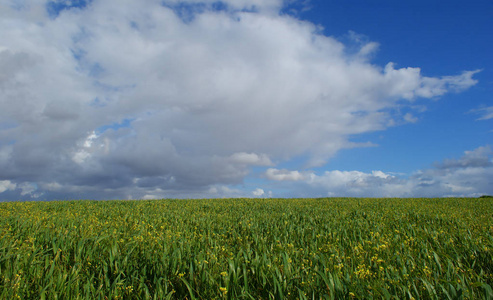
x=338 y=248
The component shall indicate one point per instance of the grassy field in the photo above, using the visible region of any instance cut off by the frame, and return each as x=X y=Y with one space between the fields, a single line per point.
x=248 y=249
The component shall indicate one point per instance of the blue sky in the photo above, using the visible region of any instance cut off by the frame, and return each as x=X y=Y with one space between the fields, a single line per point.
x=245 y=98
x=440 y=39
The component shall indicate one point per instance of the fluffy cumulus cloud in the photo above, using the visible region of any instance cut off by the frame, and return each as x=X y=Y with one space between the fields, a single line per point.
x=284 y=175
x=6 y=185
x=182 y=98
x=469 y=176
x=258 y=192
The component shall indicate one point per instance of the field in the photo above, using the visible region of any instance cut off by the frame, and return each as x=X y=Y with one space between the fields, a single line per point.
x=336 y=248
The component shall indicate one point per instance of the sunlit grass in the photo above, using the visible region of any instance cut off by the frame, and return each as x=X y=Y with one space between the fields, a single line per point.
x=247 y=248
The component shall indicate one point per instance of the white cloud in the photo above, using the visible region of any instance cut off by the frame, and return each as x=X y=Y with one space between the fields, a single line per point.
x=6 y=185
x=250 y=159
x=409 y=84
x=381 y=174
x=485 y=112
x=471 y=175
x=477 y=158
x=83 y=152
x=222 y=191
x=149 y=197
x=284 y=175
x=259 y=5
x=366 y=48
x=29 y=189
x=210 y=96
x=258 y=192
x=410 y=118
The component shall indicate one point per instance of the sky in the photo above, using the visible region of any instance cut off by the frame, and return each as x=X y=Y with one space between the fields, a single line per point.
x=145 y=99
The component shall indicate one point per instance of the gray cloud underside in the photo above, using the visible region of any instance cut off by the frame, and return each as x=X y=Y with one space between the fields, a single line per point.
x=204 y=98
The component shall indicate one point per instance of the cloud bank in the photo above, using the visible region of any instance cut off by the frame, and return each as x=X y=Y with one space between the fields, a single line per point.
x=182 y=98
x=469 y=176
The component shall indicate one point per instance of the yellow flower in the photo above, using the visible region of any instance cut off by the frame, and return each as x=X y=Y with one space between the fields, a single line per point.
x=223 y=290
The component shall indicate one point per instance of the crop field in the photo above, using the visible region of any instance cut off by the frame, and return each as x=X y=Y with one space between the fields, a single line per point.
x=335 y=248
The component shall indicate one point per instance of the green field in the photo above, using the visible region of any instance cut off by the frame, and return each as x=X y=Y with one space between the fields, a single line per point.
x=336 y=248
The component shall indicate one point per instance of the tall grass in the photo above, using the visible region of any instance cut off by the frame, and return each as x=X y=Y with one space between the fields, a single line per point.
x=248 y=249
